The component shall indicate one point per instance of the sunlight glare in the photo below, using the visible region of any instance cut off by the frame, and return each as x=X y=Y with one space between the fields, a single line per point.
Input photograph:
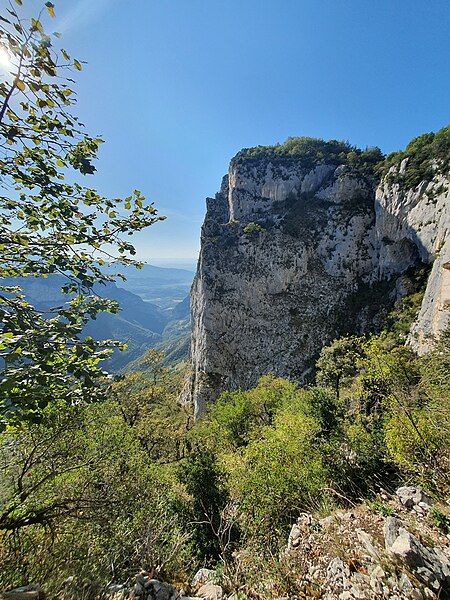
x=5 y=61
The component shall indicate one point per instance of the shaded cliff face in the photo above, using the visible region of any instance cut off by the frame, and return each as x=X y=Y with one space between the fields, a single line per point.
x=412 y=225
x=292 y=257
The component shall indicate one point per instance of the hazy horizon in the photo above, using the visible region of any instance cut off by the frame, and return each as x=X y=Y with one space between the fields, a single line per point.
x=190 y=263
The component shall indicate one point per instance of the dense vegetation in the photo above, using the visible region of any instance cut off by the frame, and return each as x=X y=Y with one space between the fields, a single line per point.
x=314 y=151
x=426 y=156
x=98 y=492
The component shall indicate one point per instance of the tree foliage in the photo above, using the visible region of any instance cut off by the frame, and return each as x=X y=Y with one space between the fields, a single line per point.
x=92 y=489
x=338 y=361
x=312 y=152
x=50 y=223
x=426 y=156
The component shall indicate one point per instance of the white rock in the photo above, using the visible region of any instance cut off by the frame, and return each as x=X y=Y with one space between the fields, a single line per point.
x=327 y=521
x=359 y=593
x=368 y=543
x=294 y=537
x=412 y=496
x=202 y=576
x=391 y=528
x=405 y=584
x=336 y=569
x=210 y=591
x=376 y=586
x=378 y=573
x=268 y=303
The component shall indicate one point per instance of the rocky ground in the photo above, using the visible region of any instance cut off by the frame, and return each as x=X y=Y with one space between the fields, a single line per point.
x=390 y=549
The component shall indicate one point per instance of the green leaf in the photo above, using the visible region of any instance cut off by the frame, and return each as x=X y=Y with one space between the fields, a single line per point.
x=47 y=228
x=36 y=25
x=50 y=8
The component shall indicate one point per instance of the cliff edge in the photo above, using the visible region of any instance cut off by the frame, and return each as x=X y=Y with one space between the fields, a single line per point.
x=309 y=241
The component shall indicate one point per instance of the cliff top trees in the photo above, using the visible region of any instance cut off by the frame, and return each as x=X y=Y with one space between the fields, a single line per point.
x=50 y=225
x=427 y=155
x=312 y=152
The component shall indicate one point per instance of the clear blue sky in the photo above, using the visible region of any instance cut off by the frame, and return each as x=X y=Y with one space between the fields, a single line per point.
x=177 y=87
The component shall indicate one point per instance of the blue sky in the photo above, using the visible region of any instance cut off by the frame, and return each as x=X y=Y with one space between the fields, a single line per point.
x=177 y=87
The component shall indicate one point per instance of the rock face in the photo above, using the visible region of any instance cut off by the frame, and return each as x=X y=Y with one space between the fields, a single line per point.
x=430 y=565
x=292 y=257
x=414 y=225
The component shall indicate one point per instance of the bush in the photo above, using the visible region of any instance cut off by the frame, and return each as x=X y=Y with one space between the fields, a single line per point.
x=236 y=417
x=276 y=476
x=87 y=493
x=428 y=155
x=252 y=228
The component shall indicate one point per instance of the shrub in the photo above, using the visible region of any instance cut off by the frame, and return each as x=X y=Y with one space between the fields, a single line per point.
x=440 y=520
x=237 y=416
x=427 y=155
x=276 y=475
x=252 y=228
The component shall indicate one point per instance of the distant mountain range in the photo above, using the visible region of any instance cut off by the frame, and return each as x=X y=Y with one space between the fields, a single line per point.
x=163 y=286
x=154 y=311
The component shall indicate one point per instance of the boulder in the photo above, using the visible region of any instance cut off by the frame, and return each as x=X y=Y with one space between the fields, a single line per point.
x=392 y=526
x=210 y=591
x=413 y=496
x=429 y=565
x=327 y=521
x=157 y=590
x=405 y=584
x=201 y=577
x=295 y=537
x=337 y=570
x=369 y=544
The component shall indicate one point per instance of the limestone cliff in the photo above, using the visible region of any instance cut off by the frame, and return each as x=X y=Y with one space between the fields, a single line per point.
x=298 y=249
x=412 y=225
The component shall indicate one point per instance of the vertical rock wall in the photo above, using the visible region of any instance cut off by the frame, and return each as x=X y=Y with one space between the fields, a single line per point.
x=414 y=225
x=292 y=258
